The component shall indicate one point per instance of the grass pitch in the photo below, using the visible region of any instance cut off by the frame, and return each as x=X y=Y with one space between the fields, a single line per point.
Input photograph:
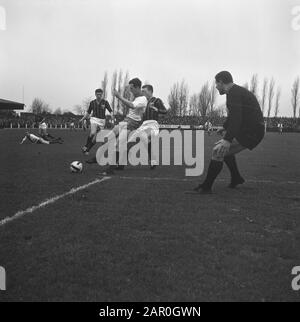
x=137 y=237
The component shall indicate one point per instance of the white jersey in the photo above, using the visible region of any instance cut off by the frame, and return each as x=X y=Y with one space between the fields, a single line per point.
x=140 y=104
x=208 y=125
x=43 y=126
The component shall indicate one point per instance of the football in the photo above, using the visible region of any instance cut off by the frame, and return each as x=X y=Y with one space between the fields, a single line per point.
x=76 y=167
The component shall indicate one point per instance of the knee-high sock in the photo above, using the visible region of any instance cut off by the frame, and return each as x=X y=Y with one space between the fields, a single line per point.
x=55 y=141
x=88 y=141
x=213 y=171
x=149 y=151
x=91 y=143
x=232 y=166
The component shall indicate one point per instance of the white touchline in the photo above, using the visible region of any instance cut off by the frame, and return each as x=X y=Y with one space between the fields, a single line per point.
x=49 y=201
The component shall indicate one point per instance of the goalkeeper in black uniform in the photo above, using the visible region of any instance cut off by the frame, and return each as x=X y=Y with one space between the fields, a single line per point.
x=243 y=129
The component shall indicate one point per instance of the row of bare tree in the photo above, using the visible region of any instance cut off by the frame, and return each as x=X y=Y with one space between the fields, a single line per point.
x=198 y=104
x=119 y=81
x=267 y=93
x=204 y=103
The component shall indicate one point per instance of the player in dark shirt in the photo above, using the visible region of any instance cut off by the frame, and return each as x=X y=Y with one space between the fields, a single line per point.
x=243 y=128
x=96 y=114
x=155 y=107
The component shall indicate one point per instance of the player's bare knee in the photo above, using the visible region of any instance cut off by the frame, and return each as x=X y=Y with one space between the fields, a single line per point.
x=217 y=158
x=216 y=155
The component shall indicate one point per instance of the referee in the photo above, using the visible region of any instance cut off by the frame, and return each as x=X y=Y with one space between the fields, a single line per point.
x=243 y=129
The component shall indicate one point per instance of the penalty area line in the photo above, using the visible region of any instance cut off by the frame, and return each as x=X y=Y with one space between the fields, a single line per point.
x=49 y=201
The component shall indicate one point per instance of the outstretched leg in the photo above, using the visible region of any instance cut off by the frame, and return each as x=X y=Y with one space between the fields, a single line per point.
x=91 y=139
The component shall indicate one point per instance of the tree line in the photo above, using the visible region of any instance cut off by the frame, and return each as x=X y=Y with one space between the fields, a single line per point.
x=203 y=103
x=181 y=103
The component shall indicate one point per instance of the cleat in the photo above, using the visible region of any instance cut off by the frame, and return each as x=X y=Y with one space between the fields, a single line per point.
x=199 y=192
x=235 y=182
x=153 y=164
x=109 y=171
x=91 y=161
x=200 y=186
x=85 y=150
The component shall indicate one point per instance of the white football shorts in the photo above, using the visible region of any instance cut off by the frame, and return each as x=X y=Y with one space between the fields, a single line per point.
x=97 y=122
x=149 y=128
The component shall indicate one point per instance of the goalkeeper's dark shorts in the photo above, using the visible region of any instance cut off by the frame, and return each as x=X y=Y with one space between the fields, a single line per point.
x=251 y=138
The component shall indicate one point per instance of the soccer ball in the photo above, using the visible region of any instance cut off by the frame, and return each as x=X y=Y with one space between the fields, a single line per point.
x=76 y=167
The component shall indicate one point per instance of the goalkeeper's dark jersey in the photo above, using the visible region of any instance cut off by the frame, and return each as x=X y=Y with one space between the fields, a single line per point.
x=244 y=113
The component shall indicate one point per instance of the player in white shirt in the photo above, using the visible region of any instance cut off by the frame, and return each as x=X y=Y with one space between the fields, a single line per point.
x=43 y=131
x=132 y=121
x=38 y=140
x=43 y=125
x=208 y=126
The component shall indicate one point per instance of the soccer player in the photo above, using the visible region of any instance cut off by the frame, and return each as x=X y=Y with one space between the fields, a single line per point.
x=43 y=131
x=150 y=125
x=72 y=126
x=132 y=121
x=243 y=128
x=208 y=127
x=280 y=127
x=38 y=140
x=96 y=114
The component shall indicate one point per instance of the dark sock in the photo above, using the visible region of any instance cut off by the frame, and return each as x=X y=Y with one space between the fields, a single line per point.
x=88 y=140
x=91 y=144
x=149 y=151
x=55 y=141
x=233 y=168
x=213 y=171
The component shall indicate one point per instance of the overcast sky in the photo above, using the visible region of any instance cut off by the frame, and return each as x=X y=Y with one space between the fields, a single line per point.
x=58 y=50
